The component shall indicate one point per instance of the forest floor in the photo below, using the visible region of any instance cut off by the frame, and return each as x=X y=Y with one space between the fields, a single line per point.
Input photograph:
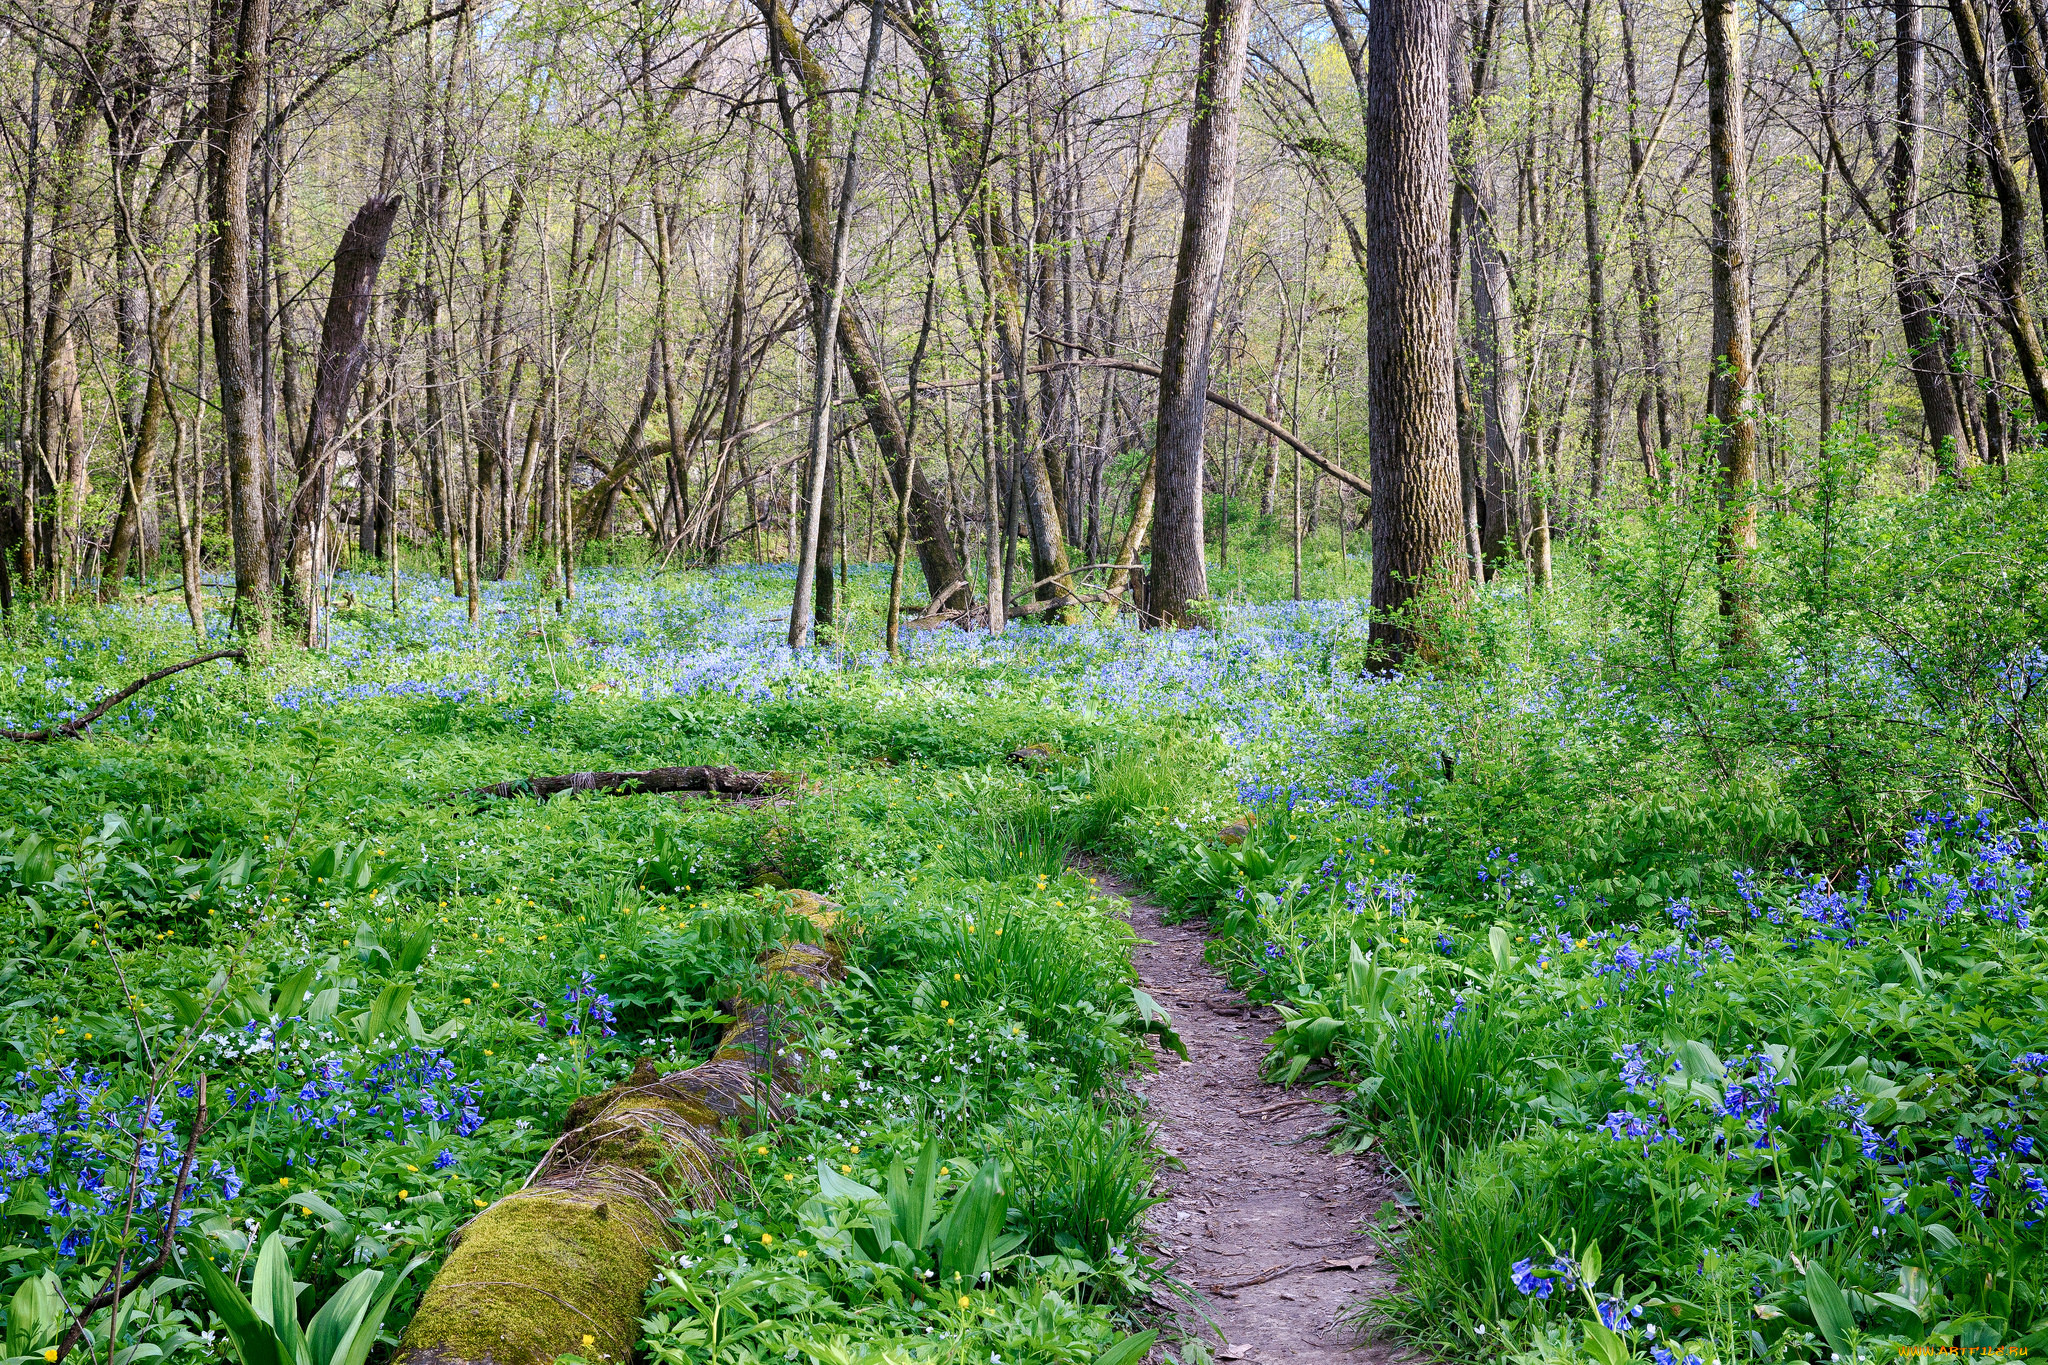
x=1264 y=1222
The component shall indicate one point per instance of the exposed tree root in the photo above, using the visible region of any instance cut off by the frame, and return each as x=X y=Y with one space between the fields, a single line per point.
x=562 y=1265
x=731 y=782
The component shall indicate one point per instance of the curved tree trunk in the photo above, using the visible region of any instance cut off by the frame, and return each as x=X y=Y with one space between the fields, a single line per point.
x=1920 y=314
x=568 y=1258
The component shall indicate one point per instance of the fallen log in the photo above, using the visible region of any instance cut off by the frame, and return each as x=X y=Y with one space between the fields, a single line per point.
x=712 y=781
x=560 y=1267
x=71 y=729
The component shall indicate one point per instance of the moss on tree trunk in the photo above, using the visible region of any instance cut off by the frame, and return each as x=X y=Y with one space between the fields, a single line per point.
x=569 y=1256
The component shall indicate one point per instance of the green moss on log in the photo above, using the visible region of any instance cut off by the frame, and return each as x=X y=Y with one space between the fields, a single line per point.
x=536 y=1273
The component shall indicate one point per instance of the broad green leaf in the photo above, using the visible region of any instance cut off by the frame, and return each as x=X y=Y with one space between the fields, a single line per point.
x=1130 y=1350
x=414 y=953
x=275 y=1297
x=291 y=992
x=310 y=1203
x=356 y=1349
x=336 y=1321
x=914 y=1199
x=1830 y=1308
x=1700 y=1061
x=254 y=1342
x=967 y=1233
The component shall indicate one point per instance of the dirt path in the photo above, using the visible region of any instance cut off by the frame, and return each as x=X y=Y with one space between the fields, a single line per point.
x=1253 y=1202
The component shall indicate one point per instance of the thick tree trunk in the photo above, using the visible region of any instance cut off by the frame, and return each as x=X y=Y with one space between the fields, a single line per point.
x=2029 y=67
x=1411 y=331
x=337 y=373
x=1179 y=575
x=240 y=50
x=1731 y=385
x=60 y=484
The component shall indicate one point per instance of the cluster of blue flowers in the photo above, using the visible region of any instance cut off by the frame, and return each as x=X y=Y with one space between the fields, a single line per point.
x=587 y=1007
x=1540 y=1282
x=1501 y=868
x=1629 y=965
x=1373 y=791
x=1752 y=1099
x=393 y=1098
x=2001 y=1153
x=70 y=1136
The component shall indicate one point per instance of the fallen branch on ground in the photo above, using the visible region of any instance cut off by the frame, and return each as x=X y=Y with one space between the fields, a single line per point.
x=1269 y=1273
x=70 y=729
x=731 y=782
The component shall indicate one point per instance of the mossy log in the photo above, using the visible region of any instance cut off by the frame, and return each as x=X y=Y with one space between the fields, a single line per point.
x=713 y=781
x=562 y=1265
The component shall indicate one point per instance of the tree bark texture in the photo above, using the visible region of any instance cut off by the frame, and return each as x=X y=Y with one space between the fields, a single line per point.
x=1731 y=384
x=240 y=48
x=936 y=554
x=338 y=371
x=1179 y=574
x=1411 y=325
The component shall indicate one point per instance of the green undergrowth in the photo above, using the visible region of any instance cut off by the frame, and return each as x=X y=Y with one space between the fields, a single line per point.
x=387 y=994
x=1695 y=987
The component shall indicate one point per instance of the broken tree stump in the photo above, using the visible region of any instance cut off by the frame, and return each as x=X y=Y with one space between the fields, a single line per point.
x=567 y=1258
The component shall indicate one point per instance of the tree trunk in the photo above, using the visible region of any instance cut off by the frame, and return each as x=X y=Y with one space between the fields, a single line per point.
x=1411 y=329
x=1648 y=281
x=239 y=51
x=1927 y=342
x=935 y=550
x=996 y=246
x=337 y=373
x=1600 y=407
x=2007 y=267
x=1731 y=384
x=1179 y=575
x=2030 y=79
x=561 y=1266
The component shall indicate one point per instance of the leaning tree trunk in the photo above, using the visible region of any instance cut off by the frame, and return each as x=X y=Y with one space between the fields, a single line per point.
x=1411 y=327
x=2007 y=268
x=1731 y=384
x=567 y=1259
x=1003 y=261
x=1179 y=575
x=337 y=373
x=936 y=553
